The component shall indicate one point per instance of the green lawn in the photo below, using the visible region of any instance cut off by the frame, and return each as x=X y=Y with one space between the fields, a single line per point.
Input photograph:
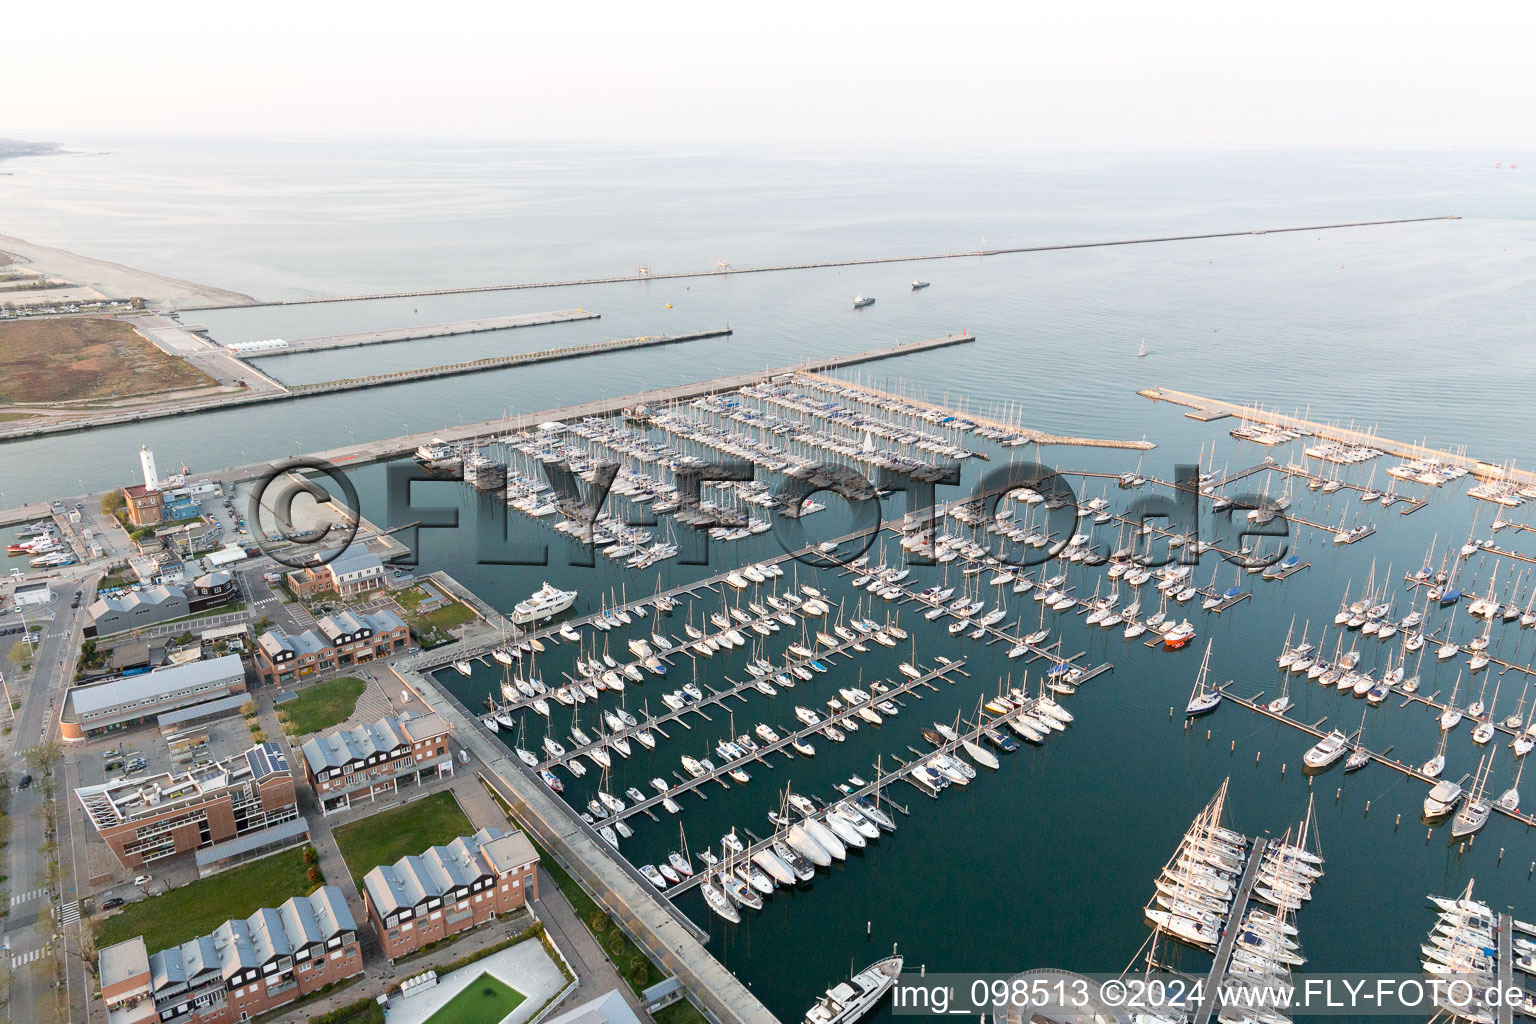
x=486 y=1000
x=199 y=907
x=385 y=837
x=321 y=706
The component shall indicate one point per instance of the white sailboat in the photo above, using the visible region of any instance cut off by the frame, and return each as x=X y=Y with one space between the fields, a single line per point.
x=1202 y=700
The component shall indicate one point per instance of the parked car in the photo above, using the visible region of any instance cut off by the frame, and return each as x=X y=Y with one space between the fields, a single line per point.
x=143 y=880
x=111 y=903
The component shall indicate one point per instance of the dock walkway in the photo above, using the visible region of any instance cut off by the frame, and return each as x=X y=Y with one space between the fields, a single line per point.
x=1211 y=408
x=1506 y=967
x=1229 y=935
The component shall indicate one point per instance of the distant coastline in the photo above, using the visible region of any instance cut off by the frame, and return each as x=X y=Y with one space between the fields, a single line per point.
x=16 y=147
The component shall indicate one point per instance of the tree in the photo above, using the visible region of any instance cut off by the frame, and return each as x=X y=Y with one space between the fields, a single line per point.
x=44 y=756
x=111 y=503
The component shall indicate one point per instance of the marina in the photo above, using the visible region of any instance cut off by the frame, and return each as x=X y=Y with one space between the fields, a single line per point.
x=678 y=777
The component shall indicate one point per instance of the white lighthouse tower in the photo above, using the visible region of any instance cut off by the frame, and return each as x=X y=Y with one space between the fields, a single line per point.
x=147 y=461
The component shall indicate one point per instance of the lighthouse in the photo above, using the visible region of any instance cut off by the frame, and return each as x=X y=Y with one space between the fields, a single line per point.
x=147 y=462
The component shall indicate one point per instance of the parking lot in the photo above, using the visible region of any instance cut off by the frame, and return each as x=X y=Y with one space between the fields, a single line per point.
x=112 y=756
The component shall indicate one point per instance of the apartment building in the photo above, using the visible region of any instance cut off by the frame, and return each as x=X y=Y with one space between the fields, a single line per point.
x=449 y=889
x=245 y=967
x=337 y=641
x=146 y=819
x=350 y=764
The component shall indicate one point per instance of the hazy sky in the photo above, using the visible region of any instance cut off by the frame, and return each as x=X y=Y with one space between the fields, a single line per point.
x=899 y=76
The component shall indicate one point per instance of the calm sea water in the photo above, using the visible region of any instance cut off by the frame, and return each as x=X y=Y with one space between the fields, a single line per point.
x=1419 y=329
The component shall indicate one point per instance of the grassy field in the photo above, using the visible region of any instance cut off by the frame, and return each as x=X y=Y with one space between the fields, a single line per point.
x=198 y=908
x=486 y=1000
x=385 y=837
x=321 y=706
x=84 y=359
x=432 y=628
x=627 y=959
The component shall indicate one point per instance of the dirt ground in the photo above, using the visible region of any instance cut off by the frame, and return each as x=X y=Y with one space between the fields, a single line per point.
x=85 y=359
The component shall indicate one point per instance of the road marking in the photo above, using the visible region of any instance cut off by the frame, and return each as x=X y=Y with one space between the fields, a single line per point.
x=32 y=894
x=25 y=958
x=69 y=913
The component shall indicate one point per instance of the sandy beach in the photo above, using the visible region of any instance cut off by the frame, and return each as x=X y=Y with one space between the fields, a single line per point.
x=113 y=280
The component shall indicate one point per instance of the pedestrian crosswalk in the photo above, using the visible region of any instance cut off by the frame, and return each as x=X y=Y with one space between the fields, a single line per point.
x=17 y=899
x=69 y=913
x=22 y=959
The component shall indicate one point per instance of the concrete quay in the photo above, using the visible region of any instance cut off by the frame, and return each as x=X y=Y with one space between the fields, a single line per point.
x=480 y=326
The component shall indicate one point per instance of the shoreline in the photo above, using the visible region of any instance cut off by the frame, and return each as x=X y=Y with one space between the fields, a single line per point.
x=113 y=280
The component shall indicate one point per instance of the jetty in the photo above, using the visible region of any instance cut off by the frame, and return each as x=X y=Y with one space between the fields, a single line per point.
x=728 y=271
x=548 y=355
x=1206 y=409
x=1229 y=935
x=394 y=334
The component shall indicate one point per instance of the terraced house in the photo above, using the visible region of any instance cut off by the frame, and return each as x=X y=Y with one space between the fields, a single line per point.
x=337 y=641
x=375 y=758
x=244 y=968
x=450 y=889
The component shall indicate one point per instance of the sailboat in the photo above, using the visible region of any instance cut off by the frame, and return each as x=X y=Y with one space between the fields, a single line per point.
x=1142 y=352
x=1473 y=814
x=1281 y=704
x=1435 y=765
x=1509 y=800
x=1203 y=700
x=1359 y=757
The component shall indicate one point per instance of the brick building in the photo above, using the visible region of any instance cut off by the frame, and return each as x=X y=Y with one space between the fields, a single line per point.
x=145 y=506
x=450 y=889
x=146 y=819
x=376 y=758
x=244 y=968
x=337 y=641
x=355 y=571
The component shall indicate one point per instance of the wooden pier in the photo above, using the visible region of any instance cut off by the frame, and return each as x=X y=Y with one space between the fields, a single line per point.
x=784 y=744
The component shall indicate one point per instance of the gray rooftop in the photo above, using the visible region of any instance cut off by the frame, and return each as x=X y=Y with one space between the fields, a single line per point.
x=241 y=944
x=440 y=869
x=251 y=841
x=154 y=685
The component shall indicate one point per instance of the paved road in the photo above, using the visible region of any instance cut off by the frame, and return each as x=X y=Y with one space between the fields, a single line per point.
x=35 y=722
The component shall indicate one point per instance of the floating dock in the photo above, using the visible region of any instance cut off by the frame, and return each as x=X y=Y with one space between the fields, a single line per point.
x=1230 y=934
